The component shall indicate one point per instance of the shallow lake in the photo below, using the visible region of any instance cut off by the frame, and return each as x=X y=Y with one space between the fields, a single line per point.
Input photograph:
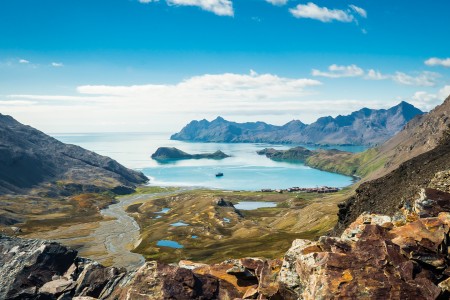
x=251 y=205
x=170 y=244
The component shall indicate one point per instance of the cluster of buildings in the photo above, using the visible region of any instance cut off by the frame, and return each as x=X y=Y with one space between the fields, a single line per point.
x=319 y=190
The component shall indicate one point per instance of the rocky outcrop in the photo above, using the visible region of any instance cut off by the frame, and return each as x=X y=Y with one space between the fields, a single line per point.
x=222 y=203
x=31 y=159
x=373 y=259
x=363 y=127
x=32 y=269
x=168 y=153
x=26 y=265
x=253 y=278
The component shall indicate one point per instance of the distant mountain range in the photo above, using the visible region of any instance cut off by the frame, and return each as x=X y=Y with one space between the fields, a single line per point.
x=363 y=127
x=31 y=159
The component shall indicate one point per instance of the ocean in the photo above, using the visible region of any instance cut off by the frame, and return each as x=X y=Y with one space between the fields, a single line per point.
x=244 y=170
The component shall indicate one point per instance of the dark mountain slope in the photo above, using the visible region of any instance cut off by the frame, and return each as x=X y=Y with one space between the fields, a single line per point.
x=363 y=127
x=421 y=134
x=399 y=188
x=30 y=159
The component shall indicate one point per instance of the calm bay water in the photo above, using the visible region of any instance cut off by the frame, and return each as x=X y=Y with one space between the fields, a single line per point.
x=245 y=170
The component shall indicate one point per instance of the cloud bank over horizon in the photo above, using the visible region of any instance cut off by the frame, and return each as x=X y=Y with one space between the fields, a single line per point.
x=245 y=97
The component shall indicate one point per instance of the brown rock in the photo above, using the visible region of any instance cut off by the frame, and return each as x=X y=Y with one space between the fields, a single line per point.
x=251 y=293
x=422 y=240
x=57 y=286
x=372 y=267
x=187 y=264
x=445 y=285
x=159 y=281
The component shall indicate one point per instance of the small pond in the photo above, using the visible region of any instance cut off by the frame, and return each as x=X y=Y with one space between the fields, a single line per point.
x=170 y=244
x=251 y=205
x=178 y=224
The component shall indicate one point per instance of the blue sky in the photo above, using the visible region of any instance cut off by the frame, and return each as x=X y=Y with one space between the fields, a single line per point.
x=122 y=65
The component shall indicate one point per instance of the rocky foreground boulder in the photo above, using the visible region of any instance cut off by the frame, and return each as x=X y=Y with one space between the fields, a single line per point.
x=33 y=269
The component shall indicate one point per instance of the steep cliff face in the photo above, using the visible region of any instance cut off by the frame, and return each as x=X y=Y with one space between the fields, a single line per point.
x=30 y=158
x=363 y=127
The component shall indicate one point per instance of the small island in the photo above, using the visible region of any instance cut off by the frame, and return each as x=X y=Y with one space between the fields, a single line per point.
x=171 y=153
x=293 y=154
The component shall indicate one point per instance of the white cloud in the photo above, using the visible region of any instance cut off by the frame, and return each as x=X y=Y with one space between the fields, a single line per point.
x=277 y=2
x=172 y=105
x=360 y=11
x=16 y=103
x=228 y=86
x=434 y=61
x=422 y=79
x=57 y=65
x=418 y=79
x=336 y=71
x=375 y=75
x=147 y=1
x=219 y=7
x=23 y=61
x=324 y=14
x=427 y=101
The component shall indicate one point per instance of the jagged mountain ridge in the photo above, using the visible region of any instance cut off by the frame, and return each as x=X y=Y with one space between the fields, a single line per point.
x=29 y=159
x=363 y=127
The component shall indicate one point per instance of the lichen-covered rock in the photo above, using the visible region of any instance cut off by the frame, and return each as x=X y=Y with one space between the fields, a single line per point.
x=354 y=230
x=288 y=277
x=431 y=202
x=441 y=181
x=372 y=267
